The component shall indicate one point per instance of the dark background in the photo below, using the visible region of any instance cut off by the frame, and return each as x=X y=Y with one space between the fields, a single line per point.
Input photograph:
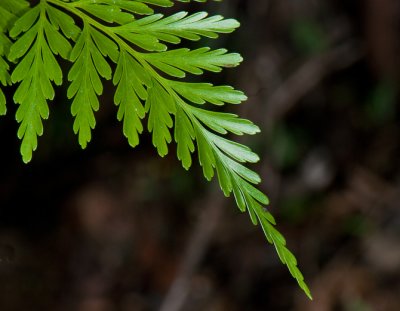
x=115 y=228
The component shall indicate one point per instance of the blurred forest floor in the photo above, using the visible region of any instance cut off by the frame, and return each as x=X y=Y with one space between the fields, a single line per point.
x=114 y=228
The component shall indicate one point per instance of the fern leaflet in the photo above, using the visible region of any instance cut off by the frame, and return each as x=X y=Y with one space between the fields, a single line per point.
x=9 y=10
x=37 y=46
x=132 y=83
x=89 y=60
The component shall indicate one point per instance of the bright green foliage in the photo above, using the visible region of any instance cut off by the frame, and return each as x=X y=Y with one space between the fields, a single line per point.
x=39 y=40
x=4 y=76
x=176 y=62
x=160 y=105
x=88 y=56
x=131 y=81
x=9 y=12
x=124 y=41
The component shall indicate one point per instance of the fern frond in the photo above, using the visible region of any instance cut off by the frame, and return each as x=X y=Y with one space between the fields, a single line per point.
x=160 y=105
x=168 y=3
x=147 y=79
x=172 y=28
x=132 y=83
x=5 y=80
x=201 y=93
x=36 y=71
x=113 y=11
x=9 y=12
x=223 y=123
x=176 y=62
x=89 y=60
x=275 y=237
x=224 y=156
x=184 y=137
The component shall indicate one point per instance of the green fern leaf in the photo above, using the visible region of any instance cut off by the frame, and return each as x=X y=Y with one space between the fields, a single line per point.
x=172 y=28
x=145 y=42
x=160 y=106
x=162 y=3
x=197 y=0
x=201 y=93
x=131 y=81
x=184 y=136
x=9 y=12
x=37 y=69
x=5 y=80
x=113 y=11
x=223 y=123
x=205 y=152
x=177 y=62
x=237 y=151
x=225 y=156
x=63 y=21
x=89 y=60
x=167 y=3
x=147 y=80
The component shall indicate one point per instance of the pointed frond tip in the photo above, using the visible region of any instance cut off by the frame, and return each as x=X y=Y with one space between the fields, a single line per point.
x=285 y=255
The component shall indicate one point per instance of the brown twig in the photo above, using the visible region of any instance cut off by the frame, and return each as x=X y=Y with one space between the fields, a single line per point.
x=307 y=77
x=196 y=248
